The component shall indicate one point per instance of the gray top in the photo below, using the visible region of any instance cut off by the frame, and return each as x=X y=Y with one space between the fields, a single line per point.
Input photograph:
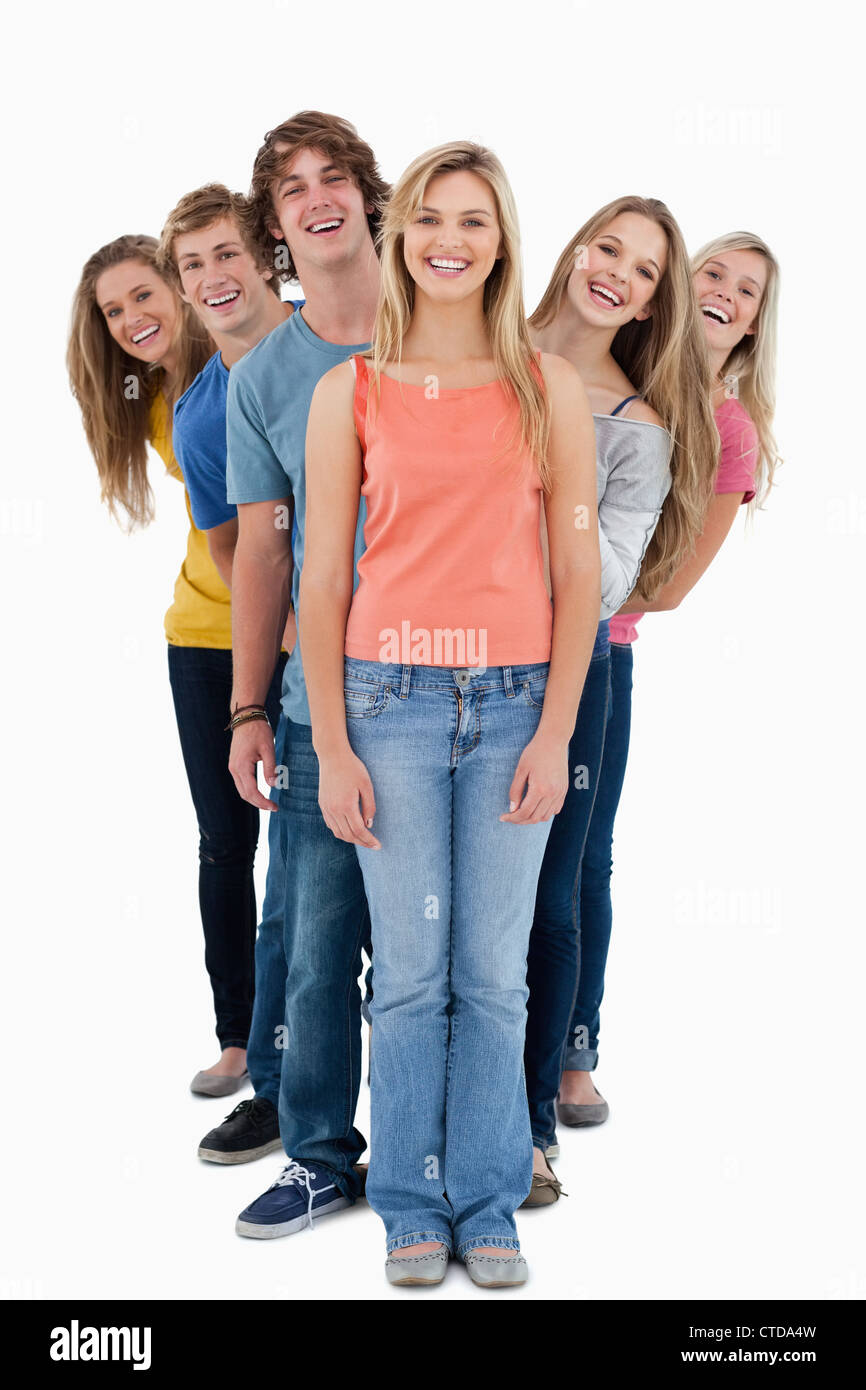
x=634 y=478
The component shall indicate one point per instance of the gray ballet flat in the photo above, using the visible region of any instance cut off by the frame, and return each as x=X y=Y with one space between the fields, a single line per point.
x=417 y=1269
x=578 y=1116
x=205 y=1084
x=496 y=1271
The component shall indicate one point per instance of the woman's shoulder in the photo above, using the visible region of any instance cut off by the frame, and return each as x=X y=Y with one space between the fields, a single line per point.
x=731 y=411
x=643 y=411
x=159 y=423
x=556 y=368
x=737 y=429
x=336 y=381
x=740 y=448
x=159 y=433
x=561 y=378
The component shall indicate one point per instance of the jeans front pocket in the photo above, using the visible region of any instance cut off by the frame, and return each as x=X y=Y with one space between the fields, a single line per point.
x=533 y=692
x=365 y=699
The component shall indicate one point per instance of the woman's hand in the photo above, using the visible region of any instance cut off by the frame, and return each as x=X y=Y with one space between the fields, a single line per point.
x=541 y=780
x=343 y=782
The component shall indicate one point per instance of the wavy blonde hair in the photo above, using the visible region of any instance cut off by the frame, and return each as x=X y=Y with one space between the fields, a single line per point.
x=753 y=360
x=505 y=315
x=665 y=359
x=117 y=428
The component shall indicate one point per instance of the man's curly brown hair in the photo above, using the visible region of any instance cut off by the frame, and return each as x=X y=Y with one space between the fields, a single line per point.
x=336 y=138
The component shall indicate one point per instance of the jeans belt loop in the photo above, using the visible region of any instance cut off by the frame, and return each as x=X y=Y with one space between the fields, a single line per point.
x=405 y=680
x=509 y=684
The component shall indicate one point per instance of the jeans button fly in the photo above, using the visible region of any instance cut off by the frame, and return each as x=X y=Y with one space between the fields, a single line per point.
x=462 y=677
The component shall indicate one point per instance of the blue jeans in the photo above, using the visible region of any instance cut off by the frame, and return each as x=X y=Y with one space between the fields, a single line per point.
x=451 y=894
x=595 y=907
x=552 y=967
x=326 y=925
x=201 y=685
x=264 y=1050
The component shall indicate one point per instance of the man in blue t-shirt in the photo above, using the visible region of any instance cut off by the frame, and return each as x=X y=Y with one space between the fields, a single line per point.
x=206 y=251
x=317 y=193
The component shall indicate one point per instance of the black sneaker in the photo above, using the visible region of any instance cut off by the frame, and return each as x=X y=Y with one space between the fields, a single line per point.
x=250 y=1131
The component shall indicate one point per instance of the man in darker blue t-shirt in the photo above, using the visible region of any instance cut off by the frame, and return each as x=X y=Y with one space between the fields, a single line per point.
x=206 y=251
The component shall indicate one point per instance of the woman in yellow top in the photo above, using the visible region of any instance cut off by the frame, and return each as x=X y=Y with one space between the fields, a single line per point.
x=135 y=346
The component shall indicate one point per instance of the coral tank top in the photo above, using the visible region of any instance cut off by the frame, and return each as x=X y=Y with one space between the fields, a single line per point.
x=453 y=573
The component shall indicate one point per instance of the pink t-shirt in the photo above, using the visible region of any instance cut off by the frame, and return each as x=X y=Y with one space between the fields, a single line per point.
x=736 y=473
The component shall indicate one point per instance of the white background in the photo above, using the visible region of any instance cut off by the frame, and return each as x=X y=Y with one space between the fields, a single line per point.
x=731 y=1047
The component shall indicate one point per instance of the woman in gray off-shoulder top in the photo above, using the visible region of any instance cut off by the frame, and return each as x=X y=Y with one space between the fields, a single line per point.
x=620 y=308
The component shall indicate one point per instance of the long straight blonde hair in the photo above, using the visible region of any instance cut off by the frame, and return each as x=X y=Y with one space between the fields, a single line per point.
x=117 y=428
x=753 y=360
x=665 y=359
x=510 y=343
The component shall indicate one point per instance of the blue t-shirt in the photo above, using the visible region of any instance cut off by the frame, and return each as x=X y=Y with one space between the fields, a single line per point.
x=269 y=397
x=199 y=437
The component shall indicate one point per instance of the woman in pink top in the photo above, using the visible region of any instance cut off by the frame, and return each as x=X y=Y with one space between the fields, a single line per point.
x=736 y=279
x=444 y=693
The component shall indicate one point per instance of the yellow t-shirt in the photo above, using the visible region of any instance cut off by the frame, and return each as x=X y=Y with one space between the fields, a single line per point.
x=201 y=613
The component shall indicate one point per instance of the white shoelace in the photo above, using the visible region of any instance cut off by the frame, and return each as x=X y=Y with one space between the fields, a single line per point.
x=297 y=1173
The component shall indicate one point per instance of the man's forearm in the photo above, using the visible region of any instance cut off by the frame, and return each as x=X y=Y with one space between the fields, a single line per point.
x=260 y=607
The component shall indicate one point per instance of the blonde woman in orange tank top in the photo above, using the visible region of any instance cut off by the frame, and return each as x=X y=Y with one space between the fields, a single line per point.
x=444 y=692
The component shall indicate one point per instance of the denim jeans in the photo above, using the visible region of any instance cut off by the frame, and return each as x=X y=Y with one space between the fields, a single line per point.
x=201 y=684
x=554 y=943
x=451 y=893
x=326 y=925
x=595 y=906
x=264 y=1050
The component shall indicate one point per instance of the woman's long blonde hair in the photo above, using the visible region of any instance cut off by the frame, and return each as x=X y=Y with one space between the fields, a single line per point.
x=753 y=360
x=665 y=359
x=117 y=426
x=510 y=343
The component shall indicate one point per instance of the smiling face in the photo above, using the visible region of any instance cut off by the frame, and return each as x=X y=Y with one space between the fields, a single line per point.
x=220 y=278
x=730 y=288
x=616 y=275
x=453 y=241
x=140 y=309
x=320 y=212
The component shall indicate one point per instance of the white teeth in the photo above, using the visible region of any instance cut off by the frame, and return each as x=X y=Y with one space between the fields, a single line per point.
x=146 y=333
x=715 y=312
x=606 y=293
x=223 y=299
x=324 y=226
x=442 y=264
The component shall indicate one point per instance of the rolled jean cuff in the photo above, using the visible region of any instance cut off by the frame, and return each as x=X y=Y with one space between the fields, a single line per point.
x=543 y=1141
x=233 y=1042
x=418 y=1238
x=477 y=1242
x=580 y=1059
